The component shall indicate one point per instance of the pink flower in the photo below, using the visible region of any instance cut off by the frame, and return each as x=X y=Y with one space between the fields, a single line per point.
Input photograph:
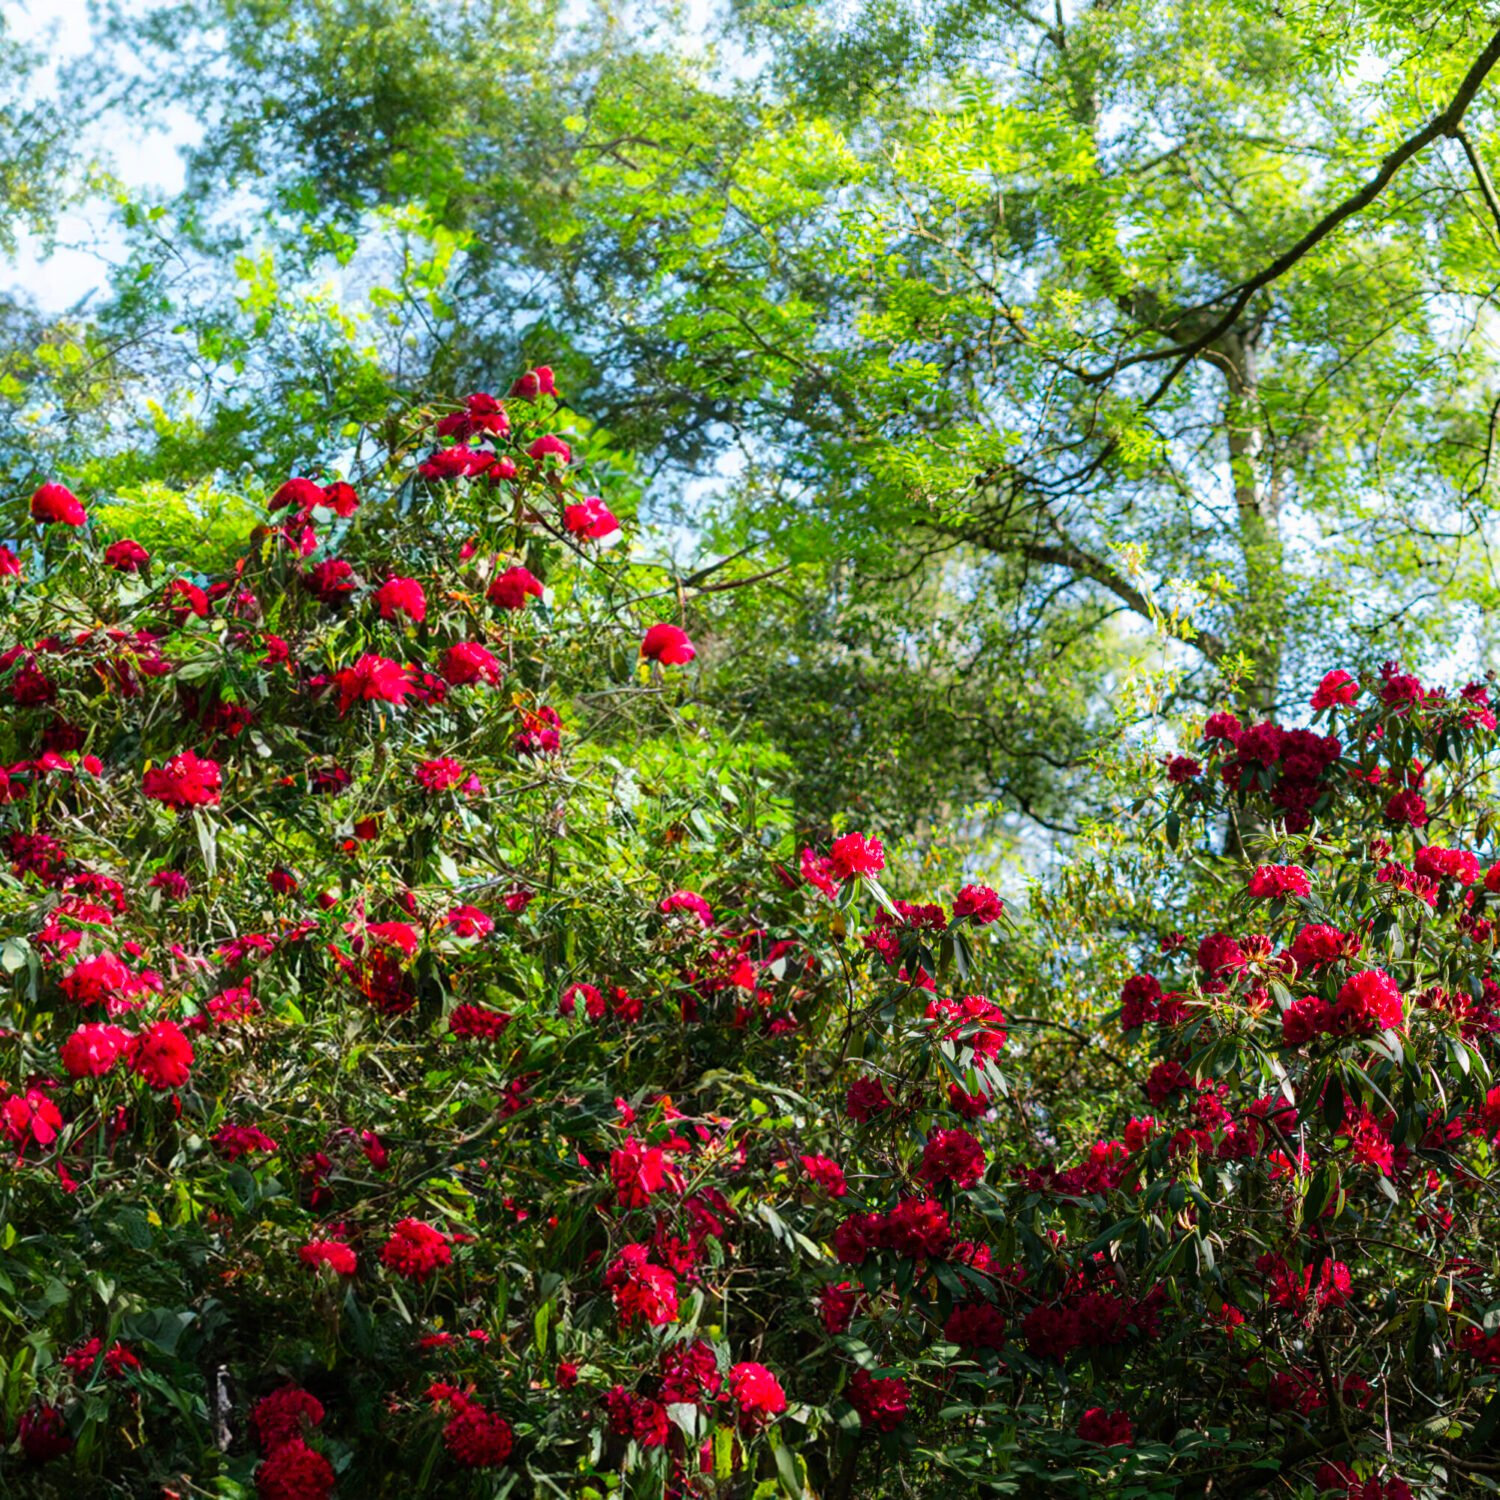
x=401 y=596
x=126 y=556
x=668 y=645
x=56 y=502
x=10 y=564
x=512 y=588
x=187 y=780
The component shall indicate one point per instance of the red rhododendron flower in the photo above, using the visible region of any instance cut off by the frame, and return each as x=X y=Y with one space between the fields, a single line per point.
x=639 y=1171
x=416 y=1250
x=43 y=1430
x=881 y=1403
x=867 y=1097
x=1275 y=882
x=975 y=1325
x=1109 y=1429
x=549 y=446
x=334 y=1254
x=283 y=1416
x=478 y=1022
x=330 y=580
x=512 y=588
x=952 y=1156
x=641 y=1289
x=10 y=564
x=534 y=383
x=757 y=1393
x=477 y=1438
x=29 y=1118
x=401 y=596
x=93 y=1050
x=373 y=679
x=854 y=855
x=827 y=1173
x=482 y=415
x=293 y=1471
x=594 y=1006
x=187 y=780
x=57 y=503
x=1368 y=1002
x=469 y=922
x=235 y=1141
x=978 y=902
x=1447 y=864
x=689 y=901
x=126 y=556
x=1337 y=689
x=301 y=495
x=669 y=645
x=117 y=1360
x=161 y=1054
x=592 y=519
x=1182 y=769
x=1407 y=807
x=467 y=662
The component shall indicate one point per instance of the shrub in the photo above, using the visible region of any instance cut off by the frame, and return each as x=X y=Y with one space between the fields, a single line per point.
x=406 y=1094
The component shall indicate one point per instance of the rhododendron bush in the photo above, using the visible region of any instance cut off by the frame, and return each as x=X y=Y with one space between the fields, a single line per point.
x=410 y=1086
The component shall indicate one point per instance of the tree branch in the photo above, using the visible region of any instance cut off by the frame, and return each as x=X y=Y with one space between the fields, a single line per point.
x=1447 y=122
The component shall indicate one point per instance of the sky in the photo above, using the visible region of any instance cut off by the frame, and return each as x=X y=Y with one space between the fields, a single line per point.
x=147 y=162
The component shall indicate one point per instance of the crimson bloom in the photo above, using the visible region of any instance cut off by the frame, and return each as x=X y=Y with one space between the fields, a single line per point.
x=757 y=1393
x=54 y=502
x=669 y=645
x=162 y=1055
x=881 y=1403
x=294 y=1472
x=402 y=596
x=187 y=780
x=126 y=556
x=416 y=1250
x=854 y=855
x=512 y=588
x=373 y=679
